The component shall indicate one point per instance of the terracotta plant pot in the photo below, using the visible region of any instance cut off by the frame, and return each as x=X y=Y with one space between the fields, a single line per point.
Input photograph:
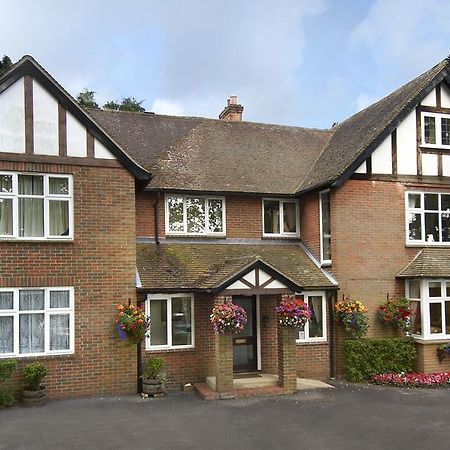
x=32 y=398
x=152 y=387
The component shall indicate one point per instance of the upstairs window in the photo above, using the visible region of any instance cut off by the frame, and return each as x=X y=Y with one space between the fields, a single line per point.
x=325 y=228
x=435 y=130
x=186 y=215
x=35 y=206
x=280 y=217
x=428 y=218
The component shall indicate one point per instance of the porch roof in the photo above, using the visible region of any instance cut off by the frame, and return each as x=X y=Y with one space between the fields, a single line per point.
x=428 y=263
x=213 y=267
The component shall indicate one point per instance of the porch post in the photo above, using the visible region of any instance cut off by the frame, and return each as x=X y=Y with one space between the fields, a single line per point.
x=287 y=371
x=223 y=356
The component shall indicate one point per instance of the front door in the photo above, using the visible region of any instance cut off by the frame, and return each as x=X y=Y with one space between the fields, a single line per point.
x=245 y=342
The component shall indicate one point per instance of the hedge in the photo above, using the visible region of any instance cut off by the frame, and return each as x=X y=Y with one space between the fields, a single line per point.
x=367 y=357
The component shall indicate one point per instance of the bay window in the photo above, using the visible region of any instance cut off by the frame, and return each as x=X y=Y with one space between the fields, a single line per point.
x=35 y=206
x=428 y=218
x=435 y=130
x=315 y=329
x=187 y=215
x=37 y=321
x=172 y=321
x=280 y=217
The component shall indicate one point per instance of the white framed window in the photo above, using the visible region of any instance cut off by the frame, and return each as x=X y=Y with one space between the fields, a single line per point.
x=325 y=227
x=195 y=216
x=36 y=206
x=172 y=321
x=315 y=329
x=427 y=218
x=36 y=321
x=435 y=130
x=280 y=217
x=430 y=304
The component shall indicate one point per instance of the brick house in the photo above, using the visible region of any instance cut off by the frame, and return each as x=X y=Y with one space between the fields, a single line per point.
x=181 y=213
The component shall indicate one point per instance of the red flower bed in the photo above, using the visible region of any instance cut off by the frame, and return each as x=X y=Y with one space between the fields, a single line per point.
x=412 y=379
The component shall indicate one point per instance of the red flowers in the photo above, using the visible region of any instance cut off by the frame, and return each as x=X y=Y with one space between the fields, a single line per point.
x=293 y=313
x=397 y=313
x=228 y=318
x=133 y=322
x=412 y=379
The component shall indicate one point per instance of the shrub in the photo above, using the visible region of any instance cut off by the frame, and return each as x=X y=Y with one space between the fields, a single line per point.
x=33 y=374
x=367 y=357
x=353 y=315
x=7 y=368
x=6 y=399
x=154 y=369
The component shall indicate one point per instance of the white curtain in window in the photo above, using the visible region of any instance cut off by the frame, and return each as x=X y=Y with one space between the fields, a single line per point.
x=59 y=217
x=31 y=217
x=31 y=325
x=59 y=332
x=6 y=209
x=59 y=299
x=315 y=326
x=6 y=300
x=6 y=334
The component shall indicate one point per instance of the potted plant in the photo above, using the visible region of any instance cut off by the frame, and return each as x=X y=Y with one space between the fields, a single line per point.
x=443 y=351
x=353 y=315
x=153 y=376
x=228 y=318
x=132 y=324
x=7 y=368
x=396 y=313
x=292 y=312
x=34 y=392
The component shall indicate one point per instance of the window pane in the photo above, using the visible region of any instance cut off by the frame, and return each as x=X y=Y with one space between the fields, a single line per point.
x=430 y=130
x=31 y=217
x=445 y=202
x=445 y=224
x=431 y=227
x=58 y=186
x=59 y=299
x=31 y=185
x=32 y=300
x=158 y=317
x=181 y=321
x=414 y=289
x=175 y=209
x=6 y=300
x=434 y=289
x=215 y=216
x=31 y=333
x=445 y=131
x=431 y=202
x=6 y=216
x=6 y=183
x=289 y=217
x=416 y=318
x=316 y=324
x=58 y=213
x=447 y=289
x=435 y=318
x=301 y=333
x=326 y=248
x=271 y=216
x=326 y=226
x=447 y=317
x=59 y=332
x=6 y=334
x=195 y=215
x=415 y=227
x=414 y=200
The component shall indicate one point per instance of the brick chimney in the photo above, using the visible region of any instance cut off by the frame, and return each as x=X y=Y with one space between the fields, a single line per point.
x=233 y=111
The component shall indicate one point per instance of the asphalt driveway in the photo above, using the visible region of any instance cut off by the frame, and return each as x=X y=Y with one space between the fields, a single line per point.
x=348 y=417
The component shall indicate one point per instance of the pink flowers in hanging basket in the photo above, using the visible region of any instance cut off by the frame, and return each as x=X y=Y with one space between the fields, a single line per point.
x=293 y=312
x=228 y=318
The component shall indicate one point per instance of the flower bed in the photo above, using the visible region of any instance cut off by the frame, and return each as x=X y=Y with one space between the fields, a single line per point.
x=293 y=313
x=412 y=379
x=228 y=318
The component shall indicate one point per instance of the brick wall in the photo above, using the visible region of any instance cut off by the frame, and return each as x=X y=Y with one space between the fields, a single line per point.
x=310 y=222
x=427 y=360
x=100 y=264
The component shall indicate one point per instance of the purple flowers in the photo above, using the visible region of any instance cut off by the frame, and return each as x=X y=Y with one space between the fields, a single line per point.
x=293 y=312
x=228 y=318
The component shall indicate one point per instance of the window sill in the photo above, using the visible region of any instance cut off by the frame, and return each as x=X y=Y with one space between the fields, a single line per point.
x=196 y=236
x=428 y=244
x=39 y=356
x=37 y=240
x=281 y=237
x=428 y=341
x=311 y=342
x=189 y=348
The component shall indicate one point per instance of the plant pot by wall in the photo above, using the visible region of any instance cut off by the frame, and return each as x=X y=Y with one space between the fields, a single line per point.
x=152 y=387
x=32 y=398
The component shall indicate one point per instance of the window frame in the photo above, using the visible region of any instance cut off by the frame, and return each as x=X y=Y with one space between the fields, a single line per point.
x=207 y=199
x=168 y=298
x=422 y=211
x=425 y=301
x=47 y=197
x=281 y=209
x=48 y=312
x=325 y=262
x=438 y=125
x=307 y=339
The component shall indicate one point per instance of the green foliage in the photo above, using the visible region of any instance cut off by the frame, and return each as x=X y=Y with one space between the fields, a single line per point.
x=154 y=369
x=396 y=313
x=33 y=374
x=7 y=368
x=129 y=104
x=5 y=64
x=6 y=398
x=367 y=357
x=86 y=98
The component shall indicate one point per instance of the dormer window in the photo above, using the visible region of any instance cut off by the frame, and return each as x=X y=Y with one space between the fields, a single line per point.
x=280 y=217
x=435 y=130
x=195 y=216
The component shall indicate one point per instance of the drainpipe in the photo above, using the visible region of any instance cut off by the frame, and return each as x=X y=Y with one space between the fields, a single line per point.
x=156 y=217
x=331 y=304
x=139 y=359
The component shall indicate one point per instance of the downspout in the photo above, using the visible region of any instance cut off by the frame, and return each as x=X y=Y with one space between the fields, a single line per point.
x=331 y=305
x=156 y=216
x=139 y=360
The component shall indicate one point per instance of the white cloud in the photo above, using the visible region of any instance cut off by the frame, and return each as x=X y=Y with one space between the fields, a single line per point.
x=168 y=107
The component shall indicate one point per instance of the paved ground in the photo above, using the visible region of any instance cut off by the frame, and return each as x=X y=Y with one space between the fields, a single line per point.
x=348 y=417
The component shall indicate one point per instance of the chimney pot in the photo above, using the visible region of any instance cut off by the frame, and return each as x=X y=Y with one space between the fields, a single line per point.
x=233 y=111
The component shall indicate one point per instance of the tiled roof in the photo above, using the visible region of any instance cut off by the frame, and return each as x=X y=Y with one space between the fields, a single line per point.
x=209 y=266
x=428 y=263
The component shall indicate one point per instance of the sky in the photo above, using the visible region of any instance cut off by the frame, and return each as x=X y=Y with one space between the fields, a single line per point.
x=294 y=62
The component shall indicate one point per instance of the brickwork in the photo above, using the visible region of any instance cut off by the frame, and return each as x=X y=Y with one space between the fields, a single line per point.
x=427 y=360
x=310 y=222
x=100 y=264
x=287 y=371
x=145 y=214
x=269 y=338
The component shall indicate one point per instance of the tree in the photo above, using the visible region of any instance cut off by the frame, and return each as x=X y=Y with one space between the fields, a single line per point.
x=86 y=98
x=5 y=64
x=127 y=104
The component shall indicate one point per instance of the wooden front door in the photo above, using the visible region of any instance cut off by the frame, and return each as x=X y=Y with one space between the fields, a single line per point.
x=245 y=354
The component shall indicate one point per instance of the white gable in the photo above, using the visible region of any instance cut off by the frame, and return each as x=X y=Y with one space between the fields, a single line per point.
x=445 y=96
x=430 y=99
x=382 y=157
x=76 y=137
x=238 y=285
x=100 y=151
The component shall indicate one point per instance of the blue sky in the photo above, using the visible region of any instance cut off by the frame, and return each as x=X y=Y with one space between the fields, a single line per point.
x=294 y=62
